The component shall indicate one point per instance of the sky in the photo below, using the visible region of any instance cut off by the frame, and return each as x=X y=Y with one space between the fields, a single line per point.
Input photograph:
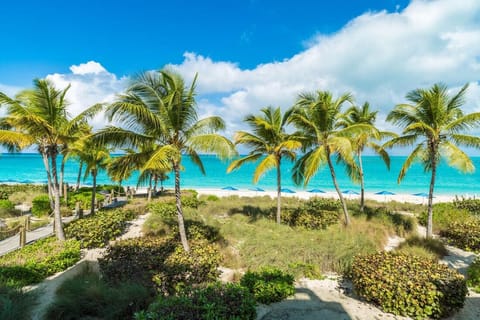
x=248 y=54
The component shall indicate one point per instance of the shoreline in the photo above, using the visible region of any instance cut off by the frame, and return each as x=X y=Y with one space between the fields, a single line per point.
x=400 y=197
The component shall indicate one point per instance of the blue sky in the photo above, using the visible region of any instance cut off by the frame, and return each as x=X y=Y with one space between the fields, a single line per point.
x=248 y=54
x=42 y=37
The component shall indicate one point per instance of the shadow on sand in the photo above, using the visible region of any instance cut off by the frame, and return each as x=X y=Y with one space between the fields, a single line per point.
x=305 y=305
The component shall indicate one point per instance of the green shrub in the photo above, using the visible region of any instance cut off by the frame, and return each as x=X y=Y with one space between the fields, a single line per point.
x=85 y=199
x=7 y=209
x=160 y=263
x=473 y=275
x=434 y=246
x=212 y=197
x=97 y=230
x=471 y=205
x=6 y=190
x=402 y=224
x=87 y=296
x=443 y=215
x=15 y=304
x=164 y=210
x=408 y=285
x=41 y=205
x=214 y=301
x=464 y=234
x=269 y=285
x=315 y=213
x=36 y=261
x=191 y=202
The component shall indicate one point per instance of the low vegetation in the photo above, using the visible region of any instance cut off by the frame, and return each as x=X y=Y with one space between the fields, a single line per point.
x=473 y=275
x=213 y=301
x=408 y=285
x=37 y=261
x=445 y=214
x=424 y=247
x=268 y=285
x=464 y=234
x=41 y=205
x=15 y=304
x=97 y=230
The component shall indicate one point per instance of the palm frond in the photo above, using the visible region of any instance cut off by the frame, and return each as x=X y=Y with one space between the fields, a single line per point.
x=268 y=163
x=456 y=158
x=237 y=163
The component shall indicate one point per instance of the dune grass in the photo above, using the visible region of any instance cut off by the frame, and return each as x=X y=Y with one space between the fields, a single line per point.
x=251 y=239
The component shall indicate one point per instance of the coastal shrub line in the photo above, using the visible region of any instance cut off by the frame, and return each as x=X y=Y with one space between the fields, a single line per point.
x=473 y=275
x=97 y=230
x=268 y=285
x=408 y=285
x=36 y=261
x=464 y=234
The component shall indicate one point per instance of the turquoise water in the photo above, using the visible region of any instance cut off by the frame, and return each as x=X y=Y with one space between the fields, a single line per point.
x=28 y=168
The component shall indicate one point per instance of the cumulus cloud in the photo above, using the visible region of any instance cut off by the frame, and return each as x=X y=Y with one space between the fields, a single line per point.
x=90 y=83
x=378 y=56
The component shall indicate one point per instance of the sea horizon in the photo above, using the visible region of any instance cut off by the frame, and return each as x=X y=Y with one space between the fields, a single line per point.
x=28 y=168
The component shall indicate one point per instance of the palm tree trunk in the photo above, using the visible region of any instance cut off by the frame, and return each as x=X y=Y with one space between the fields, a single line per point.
x=430 y=200
x=62 y=174
x=49 y=178
x=362 y=182
x=94 y=192
x=155 y=183
x=149 y=195
x=181 y=223
x=79 y=175
x=342 y=200
x=279 y=192
x=56 y=212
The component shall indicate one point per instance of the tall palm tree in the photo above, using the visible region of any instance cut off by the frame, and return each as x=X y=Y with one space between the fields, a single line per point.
x=35 y=117
x=317 y=116
x=435 y=122
x=268 y=138
x=158 y=109
x=368 y=139
x=95 y=157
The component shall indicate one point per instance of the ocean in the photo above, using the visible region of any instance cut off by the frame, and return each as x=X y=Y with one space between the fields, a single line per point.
x=28 y=168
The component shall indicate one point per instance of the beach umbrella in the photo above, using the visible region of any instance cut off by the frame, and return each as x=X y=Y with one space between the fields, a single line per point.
x=385 y=193
x=316 y=191
x=421 y=194
x=256 y=189
x=230 y=188
x=286 y=190
x=350 y=192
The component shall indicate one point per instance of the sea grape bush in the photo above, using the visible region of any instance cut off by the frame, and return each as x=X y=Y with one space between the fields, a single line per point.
x=464 y=234
x=36 y=261
x=41 y=205
x=473 y=275
x=97 y=230
x=408 y=285
x=213 y=301
x=160 y=263
x=315 y=213
x=269 y=285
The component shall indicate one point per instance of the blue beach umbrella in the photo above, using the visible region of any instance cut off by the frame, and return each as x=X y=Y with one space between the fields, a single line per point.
x=350 y=192
x=256 y=189
x=421 y=194
x=316 y=191
x=230 y=188
x=385 y=193
x=286 y=190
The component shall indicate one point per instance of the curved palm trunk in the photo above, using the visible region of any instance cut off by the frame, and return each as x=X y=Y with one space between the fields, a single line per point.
x=49 y=179
x=342 y=200
x=279 y=192
x=149 y=194
x=62 y=174
x=178 y=200
x=362 y=182
x=430 y=200
x=79 y=175
x=56 y=196
x=94 y=191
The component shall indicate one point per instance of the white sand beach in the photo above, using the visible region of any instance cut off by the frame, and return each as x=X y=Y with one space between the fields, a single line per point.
x=409 y=198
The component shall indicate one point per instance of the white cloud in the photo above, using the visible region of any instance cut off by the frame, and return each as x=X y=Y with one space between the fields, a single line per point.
x=90 y=83
x=378 y=56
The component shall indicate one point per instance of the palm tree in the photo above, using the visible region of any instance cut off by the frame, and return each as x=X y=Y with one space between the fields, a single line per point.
x=435 y=122
x=268 y=138
x=95 y=157
x=36 y=116
x=368 y=139
x=317 y=115
x=158 y=109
